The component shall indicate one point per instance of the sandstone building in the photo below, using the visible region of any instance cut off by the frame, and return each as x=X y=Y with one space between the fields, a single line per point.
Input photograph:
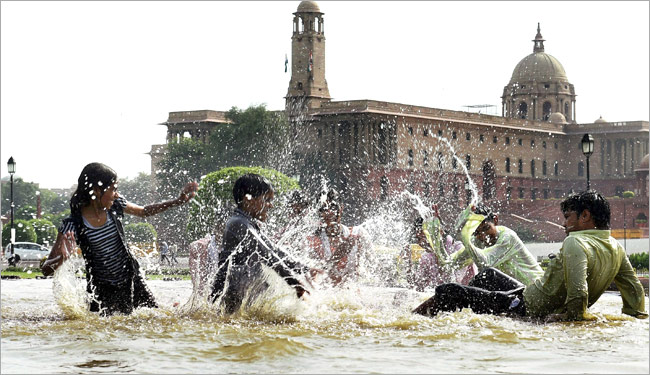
x=521 y=162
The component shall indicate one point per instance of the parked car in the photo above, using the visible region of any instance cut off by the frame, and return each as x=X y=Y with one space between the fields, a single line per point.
x=25 y=251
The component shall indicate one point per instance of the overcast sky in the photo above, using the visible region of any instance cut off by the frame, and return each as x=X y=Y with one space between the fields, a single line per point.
x=90 y=81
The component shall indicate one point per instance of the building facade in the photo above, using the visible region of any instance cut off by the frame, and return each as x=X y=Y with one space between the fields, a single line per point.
x=521 y=163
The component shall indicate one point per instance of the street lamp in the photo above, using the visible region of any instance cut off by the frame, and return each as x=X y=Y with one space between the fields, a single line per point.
x=587 y=149
x=11 y=167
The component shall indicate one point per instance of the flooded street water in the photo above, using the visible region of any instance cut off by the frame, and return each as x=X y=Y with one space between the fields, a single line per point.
x=364 y=330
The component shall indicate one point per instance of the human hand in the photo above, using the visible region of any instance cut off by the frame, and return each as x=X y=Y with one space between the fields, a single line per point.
x=69 y=245
x=189 y=191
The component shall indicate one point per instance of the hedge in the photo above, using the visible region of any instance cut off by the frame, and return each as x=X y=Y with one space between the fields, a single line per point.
x=24 y=232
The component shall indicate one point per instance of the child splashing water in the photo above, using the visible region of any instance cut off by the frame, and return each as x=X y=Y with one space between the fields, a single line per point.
x=240 y=275
x=114 y=282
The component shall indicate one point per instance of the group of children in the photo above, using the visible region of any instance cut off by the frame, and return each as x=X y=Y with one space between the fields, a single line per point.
x=500 y=277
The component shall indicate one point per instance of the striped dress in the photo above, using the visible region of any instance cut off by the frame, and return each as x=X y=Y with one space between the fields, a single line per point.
x=107 y=259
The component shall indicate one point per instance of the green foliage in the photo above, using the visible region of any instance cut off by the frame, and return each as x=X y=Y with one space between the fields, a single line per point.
x=24 y=232
x=214 y=198
x=45 y=231
x=628 y=194
x=24 y=194
x=528 y=235
x=140 y=232
x=25 y=213
x=639 y=261
x=52 y=202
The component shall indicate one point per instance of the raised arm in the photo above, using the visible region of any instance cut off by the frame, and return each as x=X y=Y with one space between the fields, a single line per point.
x=189 y=191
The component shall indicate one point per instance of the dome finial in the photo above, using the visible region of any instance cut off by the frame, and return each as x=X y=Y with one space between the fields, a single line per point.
x=539 y=40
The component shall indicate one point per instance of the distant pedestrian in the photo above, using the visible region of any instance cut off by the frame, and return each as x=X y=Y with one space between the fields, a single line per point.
x=173 y=249
x=164 y=253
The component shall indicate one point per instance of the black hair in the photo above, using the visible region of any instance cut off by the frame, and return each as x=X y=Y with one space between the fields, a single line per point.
x=298 y=198
x=329 y=199
x=486 y=211
x=592 y=201
x=250 y=184
x=93 y=175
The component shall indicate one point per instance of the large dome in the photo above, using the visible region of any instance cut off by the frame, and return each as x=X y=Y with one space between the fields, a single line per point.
x=538 y=67
x=309 y=7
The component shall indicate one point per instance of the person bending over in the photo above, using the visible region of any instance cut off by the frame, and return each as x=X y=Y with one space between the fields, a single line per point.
x=114 y=282
x=588 y=262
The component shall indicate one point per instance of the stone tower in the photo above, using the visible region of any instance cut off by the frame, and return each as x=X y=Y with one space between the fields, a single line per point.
x=539 y=89
x=308 y=87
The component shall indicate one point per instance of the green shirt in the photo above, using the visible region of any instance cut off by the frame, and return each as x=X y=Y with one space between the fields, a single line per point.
x=509 y=255
x=587 y=264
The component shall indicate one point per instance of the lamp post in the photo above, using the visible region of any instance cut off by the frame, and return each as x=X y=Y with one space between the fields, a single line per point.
x=587 y=150
x=11 y=167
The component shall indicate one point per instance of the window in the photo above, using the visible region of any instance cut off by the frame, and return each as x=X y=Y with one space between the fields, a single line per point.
x=546 y=86
x=425 y=132
x=521 y=193
x=532 y=168
x=384 y=188
x=520 y=166
x=520 y=141
x=467 y=136
x=532 y=143
x=454 y=162
x=481 y=138
x=410 y=130
x=468 y=162
x=425 y=159
x=533 y=194
x=494 y=139
x=441 y=189
x=581 y=169
x=544 y=167
x=507 y=165
x=555 y=145
x=508 y=193
x=543 y=144
x=547 y=193
x=411 y=157
x=453 y=135
x=439 y=133
x=320 y=133
x=557 y=194
x=507 y=140
x=555 y=168
x=440 y=160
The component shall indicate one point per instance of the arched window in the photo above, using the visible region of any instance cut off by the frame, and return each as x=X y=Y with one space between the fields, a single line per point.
x=544 y=167
x=523 y=110
x=384 y=188
x=546 y=111
x=581 y=169
x=555 y=168
x=489 y=180
x=532 y=168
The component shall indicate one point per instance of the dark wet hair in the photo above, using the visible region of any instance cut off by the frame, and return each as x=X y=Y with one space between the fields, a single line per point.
x=486 y=211
x=298 y=198
x=592 y=201
x=329 y=199
x=252 y=184
x=93 y=175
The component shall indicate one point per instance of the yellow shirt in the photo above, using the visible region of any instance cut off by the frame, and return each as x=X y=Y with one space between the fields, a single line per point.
x=587 y=264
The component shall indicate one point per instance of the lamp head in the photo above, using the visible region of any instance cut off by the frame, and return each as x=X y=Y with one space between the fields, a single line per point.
x=11 y=165
x=587 y=144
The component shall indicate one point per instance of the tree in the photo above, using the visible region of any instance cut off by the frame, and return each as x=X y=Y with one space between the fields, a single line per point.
x=214 y=199
x=52 y=202
x=24 y=194
x=24 y=232
x=45 y=231
x=140 y=232
x=25 y=213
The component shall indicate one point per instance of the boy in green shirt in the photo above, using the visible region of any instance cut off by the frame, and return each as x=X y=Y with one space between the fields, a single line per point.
x=589 y=261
